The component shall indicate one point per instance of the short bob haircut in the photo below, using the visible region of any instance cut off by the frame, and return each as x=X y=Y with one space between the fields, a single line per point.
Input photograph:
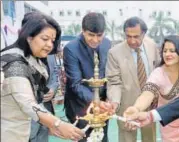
x=133 y=21
x=33 y=27
x=94 y=22
x=173 y=39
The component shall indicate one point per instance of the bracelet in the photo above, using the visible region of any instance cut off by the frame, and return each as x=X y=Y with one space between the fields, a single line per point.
x=57 y=123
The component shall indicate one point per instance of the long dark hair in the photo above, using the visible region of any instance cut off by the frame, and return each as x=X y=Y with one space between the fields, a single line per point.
x=173 y=39
x=33 y=27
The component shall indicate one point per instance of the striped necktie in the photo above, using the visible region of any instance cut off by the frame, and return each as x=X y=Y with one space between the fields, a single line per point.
x=141 y=69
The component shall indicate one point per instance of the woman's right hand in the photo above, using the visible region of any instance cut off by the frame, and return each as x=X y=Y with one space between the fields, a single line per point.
x=67 y=131
x=131 y=113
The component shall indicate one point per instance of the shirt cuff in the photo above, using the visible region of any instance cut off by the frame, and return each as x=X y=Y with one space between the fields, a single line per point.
x=156 y=115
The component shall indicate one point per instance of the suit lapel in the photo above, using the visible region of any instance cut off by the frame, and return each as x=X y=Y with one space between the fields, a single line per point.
x=130 y=62
x=87 y=51
x=101 y=61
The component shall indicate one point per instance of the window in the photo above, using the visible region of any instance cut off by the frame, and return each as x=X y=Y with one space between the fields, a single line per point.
x=105 y=13
x=169 y=13
x=5 y=7
x=61 y=13
x=69 y=12
x=33 y=9
x=9 y=8
x=154 y=14
x=51 y=13
x=27 y=9
x=120 y=12
x=78 y=13
x=140 y=12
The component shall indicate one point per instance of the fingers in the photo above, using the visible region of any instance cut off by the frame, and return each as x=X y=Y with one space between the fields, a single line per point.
x=106 y=107
x=102 y=106
x=75 y=134
x=56 y=132
x=72 y=132
x=132 y=125
x=142 y=118
x=47 y=97
x=132 y=117
x=143 y=115
x=50 y=92
x=131 y=113
x=78 y=134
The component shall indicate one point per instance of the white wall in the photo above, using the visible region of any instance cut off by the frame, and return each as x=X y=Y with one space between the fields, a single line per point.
x=40 y=6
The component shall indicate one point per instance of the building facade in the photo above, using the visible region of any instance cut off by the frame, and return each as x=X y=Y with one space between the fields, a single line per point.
x=12 y=13
x=72 y=12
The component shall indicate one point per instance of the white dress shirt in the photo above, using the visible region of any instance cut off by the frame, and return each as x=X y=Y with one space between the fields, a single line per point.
x=156 y=115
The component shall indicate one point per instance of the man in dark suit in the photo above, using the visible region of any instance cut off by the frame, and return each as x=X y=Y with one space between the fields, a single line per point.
x=79 y=65
x=165 y=114
x=53 y=81
x=172 y=108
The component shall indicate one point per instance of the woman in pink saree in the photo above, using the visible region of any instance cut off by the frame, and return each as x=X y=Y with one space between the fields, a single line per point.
x=162 y=87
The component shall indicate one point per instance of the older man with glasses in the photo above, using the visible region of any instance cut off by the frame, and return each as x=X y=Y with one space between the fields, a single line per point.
x=128 y=66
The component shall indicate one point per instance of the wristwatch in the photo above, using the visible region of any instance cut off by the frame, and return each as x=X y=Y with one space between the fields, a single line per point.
x=57 y=123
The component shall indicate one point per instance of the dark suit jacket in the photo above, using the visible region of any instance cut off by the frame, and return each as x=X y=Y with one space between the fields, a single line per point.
x=169 y=112
x=53 y=81
x=78 y=63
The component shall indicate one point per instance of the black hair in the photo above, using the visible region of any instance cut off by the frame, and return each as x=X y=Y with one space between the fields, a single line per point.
x=30 y=15
x=133 y=21
x=173 y=39
x=33 y=27
x=94 y=22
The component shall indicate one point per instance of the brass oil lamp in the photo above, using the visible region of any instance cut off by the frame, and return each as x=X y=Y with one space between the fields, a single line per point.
x=95 y=118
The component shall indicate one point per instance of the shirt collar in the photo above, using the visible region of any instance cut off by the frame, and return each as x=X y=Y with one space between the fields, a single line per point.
x=141 y=48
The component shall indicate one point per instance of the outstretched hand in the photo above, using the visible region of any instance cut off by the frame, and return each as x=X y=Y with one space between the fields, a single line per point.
x=108 y=107
x=144 y=118
x=67 y=131
x=132 y=113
